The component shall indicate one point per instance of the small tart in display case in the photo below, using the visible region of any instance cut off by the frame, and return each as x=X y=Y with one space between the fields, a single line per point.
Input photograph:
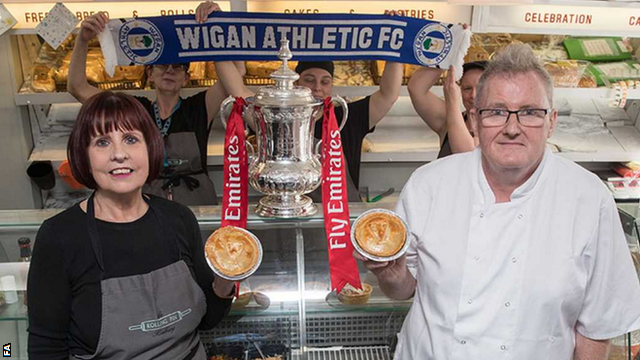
x=233 y=253
x=380 y=234
x=352 y=296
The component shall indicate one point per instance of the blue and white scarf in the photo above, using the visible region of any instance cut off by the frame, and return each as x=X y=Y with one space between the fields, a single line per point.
x=256 y=36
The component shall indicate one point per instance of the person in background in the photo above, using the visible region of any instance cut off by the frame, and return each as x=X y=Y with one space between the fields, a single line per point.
x=444 y=116
x=105 y=268
x=363 y=115
x=183 y=122
x=517 y=253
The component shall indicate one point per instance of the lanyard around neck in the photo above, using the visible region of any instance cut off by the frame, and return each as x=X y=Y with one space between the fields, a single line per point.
x=164 y=129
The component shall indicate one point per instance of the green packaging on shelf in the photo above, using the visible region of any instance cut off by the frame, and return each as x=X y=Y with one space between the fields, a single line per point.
x=597 y=49
x=614 y=71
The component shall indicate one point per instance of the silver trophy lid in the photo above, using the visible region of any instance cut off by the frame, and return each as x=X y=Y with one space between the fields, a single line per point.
x=284 y=92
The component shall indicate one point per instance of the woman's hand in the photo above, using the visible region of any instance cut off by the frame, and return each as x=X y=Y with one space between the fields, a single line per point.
x=204 y=10
x=223 y=288
x=93 y=26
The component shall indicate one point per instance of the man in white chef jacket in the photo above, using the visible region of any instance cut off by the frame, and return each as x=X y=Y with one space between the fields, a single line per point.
x=517 y=253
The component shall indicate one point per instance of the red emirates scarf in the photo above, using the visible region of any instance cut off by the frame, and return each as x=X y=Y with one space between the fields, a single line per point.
x=235 y=194
x=342 y=265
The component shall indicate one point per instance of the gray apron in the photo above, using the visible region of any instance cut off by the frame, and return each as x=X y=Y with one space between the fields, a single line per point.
x=149 y=316
x=183 y=179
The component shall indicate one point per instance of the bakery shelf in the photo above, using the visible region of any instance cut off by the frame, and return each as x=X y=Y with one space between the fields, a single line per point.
x=419 y=144
x=377 y=303
x=347 y=91
x=64 y=97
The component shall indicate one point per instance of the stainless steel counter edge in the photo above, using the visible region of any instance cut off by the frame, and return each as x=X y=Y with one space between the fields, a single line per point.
x=19 y=219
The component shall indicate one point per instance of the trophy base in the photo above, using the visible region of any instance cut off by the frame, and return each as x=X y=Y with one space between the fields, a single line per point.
x=286 y=206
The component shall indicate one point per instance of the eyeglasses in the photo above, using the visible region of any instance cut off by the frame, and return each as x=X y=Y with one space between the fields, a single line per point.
x=526 y=117
x=175 y=67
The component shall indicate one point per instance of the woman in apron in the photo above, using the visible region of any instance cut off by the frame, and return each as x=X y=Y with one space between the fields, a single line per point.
x=183 y=123
x=121 y=275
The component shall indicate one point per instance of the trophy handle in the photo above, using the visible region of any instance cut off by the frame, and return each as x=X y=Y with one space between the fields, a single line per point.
x=228 y=101
x=317 y=150
x=345 y=108
x=345 y=115
x=252 y=152
x=225 y=104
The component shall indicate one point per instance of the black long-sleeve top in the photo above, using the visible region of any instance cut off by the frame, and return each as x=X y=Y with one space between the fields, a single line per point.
x=65 y=299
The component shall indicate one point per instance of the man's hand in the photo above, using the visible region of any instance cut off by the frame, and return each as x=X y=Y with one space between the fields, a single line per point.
x=588 y=349
x=451 y=89
x=204 y=10
x=391 y=271
x=393 y=276
x=93 y=26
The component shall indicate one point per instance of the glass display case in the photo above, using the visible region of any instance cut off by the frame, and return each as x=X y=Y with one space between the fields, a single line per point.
x=285 y=309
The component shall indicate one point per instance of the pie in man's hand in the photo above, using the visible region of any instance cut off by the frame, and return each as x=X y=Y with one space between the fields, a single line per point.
x=232 y=251
x=380 y=234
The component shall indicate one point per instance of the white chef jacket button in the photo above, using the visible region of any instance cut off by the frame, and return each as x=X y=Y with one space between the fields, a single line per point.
x=503 y=347
x=470 y=301
x=481 y=215
x=477 y=257
x=463 y=342
x=553 y=339
x=513 y=259
x=507 y=304
x=520 y=216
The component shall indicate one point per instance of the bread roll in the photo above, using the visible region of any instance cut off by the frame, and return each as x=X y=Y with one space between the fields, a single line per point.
x=476 y=53
x=265 y=68
x=587 y=81
x=42 y=79
x=133 y=73
x=125 y=73
x=565 y=73
x=95 y=71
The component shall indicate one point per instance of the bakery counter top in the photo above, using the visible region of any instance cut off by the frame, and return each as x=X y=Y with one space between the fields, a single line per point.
x=208 y=217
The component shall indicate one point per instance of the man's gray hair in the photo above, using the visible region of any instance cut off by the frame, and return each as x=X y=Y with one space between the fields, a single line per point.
x=515 y=59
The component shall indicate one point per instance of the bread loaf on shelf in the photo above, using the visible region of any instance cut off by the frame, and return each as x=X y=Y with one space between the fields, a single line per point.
x=42 y=79
x=95 y=67
x=265 y=68
x=125 y=73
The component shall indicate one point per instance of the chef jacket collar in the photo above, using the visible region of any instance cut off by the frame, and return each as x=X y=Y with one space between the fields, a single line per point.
x=524 y=190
